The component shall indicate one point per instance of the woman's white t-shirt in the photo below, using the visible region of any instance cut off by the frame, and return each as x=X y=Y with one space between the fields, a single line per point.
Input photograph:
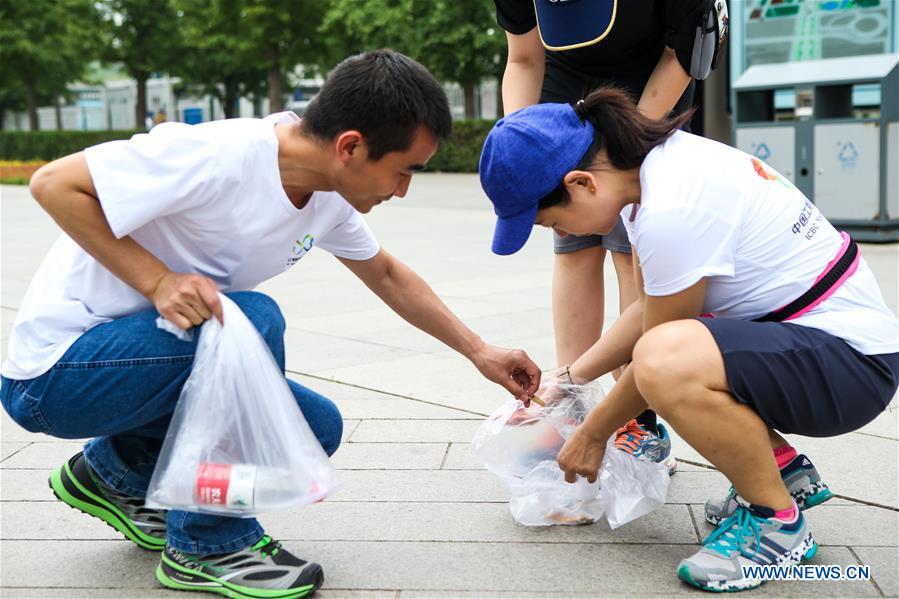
x=203 y=199
x=709 y=210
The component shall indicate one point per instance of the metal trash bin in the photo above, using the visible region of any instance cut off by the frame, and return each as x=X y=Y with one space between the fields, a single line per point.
x=805 y=120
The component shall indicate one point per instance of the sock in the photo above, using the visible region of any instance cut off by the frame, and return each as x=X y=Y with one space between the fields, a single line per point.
x=649 y=422
x=784 y=455
x=789 y=515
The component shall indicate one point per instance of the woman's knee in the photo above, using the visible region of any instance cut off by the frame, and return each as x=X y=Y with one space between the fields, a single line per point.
x=668 y=363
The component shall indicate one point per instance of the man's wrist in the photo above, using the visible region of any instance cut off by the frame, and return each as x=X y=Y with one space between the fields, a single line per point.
x=473 y=349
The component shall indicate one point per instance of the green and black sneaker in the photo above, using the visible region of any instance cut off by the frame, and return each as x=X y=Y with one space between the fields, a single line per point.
x=75 y=484
x=264 y=571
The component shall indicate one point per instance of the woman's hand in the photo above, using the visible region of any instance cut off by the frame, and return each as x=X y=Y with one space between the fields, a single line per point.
x=582 y=454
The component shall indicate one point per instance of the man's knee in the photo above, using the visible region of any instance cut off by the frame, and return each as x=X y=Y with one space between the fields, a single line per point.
x=321 y=414
x=331 y=434
x=22 y=408
x=263 y=312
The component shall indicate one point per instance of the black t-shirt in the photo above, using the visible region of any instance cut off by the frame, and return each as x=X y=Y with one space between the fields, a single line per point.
x=625 y=57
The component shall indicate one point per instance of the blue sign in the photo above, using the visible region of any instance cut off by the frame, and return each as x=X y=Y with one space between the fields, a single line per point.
x=762 y=151
x=193 y=116
x=848 y=154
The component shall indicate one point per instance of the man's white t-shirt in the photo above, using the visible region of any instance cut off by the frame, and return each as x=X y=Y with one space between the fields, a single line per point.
x=203 y=199
x=709 y=210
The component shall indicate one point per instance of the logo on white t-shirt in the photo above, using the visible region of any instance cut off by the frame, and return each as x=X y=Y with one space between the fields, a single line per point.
x=299 y=249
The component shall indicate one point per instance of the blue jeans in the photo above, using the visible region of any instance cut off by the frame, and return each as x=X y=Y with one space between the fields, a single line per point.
x=120 y=382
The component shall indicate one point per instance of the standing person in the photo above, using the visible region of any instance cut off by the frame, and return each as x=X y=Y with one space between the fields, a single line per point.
x=757 y=315
x=158 y=225
x=559 y=50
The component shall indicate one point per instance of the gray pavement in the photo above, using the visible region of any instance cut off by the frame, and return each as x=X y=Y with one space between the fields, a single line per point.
x=418 y=516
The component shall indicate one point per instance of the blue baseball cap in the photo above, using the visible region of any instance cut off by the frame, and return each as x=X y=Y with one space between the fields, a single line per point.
x=570 y=24
x=526 y=155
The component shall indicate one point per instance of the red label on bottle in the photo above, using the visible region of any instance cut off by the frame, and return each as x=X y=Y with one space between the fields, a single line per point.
x=212 y=483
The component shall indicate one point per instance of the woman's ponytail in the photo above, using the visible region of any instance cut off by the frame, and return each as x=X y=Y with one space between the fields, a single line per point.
x=625 y=133
x=621 y=129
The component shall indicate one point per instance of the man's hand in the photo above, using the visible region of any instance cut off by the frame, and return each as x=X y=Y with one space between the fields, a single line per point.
x=511 y=368
x=582 y=454
x=187 y=300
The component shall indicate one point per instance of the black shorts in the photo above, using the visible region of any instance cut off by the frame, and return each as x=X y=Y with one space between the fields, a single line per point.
x=802 y=380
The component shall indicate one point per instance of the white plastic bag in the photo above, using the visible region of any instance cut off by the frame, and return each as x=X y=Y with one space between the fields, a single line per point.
x=520 y=445
x=238 y=444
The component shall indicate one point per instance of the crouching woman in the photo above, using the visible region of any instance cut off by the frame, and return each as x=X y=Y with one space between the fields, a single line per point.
x=757 y=316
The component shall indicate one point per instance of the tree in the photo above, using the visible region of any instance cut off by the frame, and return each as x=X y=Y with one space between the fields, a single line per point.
x=284 y=34
x=458 y=40
x=142 y=37
x=44 y=45
x=223 y=60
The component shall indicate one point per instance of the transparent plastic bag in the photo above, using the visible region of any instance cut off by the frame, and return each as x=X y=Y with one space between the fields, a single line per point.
x=238 y=444
x=520 y=445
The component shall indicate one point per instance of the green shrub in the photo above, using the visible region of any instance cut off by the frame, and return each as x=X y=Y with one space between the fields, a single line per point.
x=461 y=152
x=50 y=145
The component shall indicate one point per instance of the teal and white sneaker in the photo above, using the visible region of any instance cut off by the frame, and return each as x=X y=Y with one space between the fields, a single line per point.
x=264 y=571
x=750 y=537
x=801 y=479
x=635 y=439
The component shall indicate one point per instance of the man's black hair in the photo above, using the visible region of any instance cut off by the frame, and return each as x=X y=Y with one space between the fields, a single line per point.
x=385 y=96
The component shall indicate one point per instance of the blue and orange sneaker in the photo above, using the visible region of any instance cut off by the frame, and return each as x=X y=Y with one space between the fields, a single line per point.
x=635 y=439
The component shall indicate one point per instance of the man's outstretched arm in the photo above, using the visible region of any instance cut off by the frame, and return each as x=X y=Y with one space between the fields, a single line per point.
x=408 y=295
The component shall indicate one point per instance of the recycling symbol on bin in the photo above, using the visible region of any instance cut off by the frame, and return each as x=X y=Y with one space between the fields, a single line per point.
x=848 y=154
x=762 y=151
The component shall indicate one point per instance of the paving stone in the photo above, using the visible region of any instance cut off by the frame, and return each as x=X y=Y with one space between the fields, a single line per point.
x=486 y=568
x=349 y=426
x=445 y=378
x=836 y=459
x=696 y=486
x=842 y=465
x=99 y=564
x=416 y=431
x=884 y=562
x=43 y=455
x=466 y=523
x=8 y=449
x=399 y=409
x=460 y=457
x=854 y=525
x=45 y=520
x=389 y=456
x=25 y=485
x=419 y=485
x=312 y=352
x=885 y=425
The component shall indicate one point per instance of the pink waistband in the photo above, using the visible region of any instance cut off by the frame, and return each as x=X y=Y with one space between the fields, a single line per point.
x=833 y=288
